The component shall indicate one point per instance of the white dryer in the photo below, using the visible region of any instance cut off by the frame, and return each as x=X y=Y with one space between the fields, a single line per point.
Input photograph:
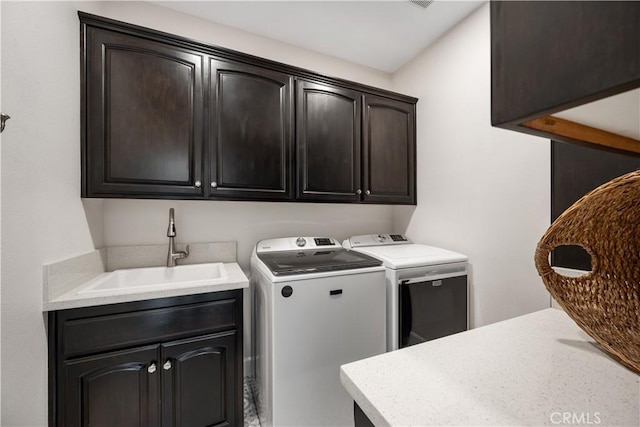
x=427 y=288
x=316 y=306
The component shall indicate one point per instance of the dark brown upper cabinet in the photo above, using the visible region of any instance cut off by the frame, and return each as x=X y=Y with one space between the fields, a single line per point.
x=389 y=151
x=348 y=152
x=250 y=132
x=328 y=142
x=168 y=117
x=142 y=120
x=547 y=57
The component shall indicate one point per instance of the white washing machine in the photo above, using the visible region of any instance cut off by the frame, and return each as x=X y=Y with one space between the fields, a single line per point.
x=317 y=306
x=427 y=288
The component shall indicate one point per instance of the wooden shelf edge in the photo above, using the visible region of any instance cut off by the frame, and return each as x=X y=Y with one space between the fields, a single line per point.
x=578 y=131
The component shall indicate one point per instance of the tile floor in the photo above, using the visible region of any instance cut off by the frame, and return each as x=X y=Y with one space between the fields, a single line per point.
x=250 y=414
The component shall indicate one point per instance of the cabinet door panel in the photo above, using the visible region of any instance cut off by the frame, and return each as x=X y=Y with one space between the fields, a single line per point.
x=389 y=151
x=328 y=138
x=250 y=132
x=113 y=389
x=200 y=387
x=144 y=111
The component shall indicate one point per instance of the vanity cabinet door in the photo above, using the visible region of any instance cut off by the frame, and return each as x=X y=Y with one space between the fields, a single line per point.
x=328 y=142
x=389 y=159
x=113 y=389
x=199 y=382
x=142 y=108
x=250 y=132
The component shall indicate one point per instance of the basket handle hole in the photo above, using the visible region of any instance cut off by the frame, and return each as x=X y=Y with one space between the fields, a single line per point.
x=572 y=257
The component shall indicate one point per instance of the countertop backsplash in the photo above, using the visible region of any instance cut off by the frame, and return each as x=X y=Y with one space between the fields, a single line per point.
x=119 y=257
x=62 y=276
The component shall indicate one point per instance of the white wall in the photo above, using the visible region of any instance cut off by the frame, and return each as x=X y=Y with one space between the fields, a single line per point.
x=129 y=222
x=43 y=217
x=482 y=191
x=0 y=223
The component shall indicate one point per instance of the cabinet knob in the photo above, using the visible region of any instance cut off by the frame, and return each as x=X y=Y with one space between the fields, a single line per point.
x=214 y=184
x=167 y=365
x=198 y=184
x=367 y=192
x=358 y=191
x=152 y=368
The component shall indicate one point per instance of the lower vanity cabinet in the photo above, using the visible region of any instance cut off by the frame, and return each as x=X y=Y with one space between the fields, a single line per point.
x=166 y=362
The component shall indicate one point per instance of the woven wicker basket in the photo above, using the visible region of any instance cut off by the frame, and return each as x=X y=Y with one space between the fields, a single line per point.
x=605 y=303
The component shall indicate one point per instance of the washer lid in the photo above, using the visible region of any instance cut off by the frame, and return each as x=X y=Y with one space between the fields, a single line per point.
x=412 y=255
x=315 y=261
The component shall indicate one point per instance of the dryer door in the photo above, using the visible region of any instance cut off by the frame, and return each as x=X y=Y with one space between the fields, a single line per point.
x=430 y=309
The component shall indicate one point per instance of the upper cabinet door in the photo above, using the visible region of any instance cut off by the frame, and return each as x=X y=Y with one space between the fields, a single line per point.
x=250 y=132
x=389 y=156
x=142 y=114
x=328 y=142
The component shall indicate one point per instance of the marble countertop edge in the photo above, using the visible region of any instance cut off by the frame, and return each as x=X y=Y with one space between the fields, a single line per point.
x=520 y=371
x=367 y=407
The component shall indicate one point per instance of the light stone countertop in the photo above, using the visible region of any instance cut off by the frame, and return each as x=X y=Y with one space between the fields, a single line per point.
x=71 y=299
x=534 y=370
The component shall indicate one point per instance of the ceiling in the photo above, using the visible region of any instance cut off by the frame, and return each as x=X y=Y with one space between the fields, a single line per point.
x=383 y=35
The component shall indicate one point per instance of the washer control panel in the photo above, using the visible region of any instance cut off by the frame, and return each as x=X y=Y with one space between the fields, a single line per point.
x=378 y=240
x=296 y=244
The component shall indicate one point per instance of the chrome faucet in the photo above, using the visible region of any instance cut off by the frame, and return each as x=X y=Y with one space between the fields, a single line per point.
x=174 y=255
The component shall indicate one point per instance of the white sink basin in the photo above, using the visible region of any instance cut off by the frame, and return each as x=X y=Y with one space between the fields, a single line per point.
x=157 y=278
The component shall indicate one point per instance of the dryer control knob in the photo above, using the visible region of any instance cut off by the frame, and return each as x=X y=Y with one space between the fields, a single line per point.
x=381 y=238
x=301 y=242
